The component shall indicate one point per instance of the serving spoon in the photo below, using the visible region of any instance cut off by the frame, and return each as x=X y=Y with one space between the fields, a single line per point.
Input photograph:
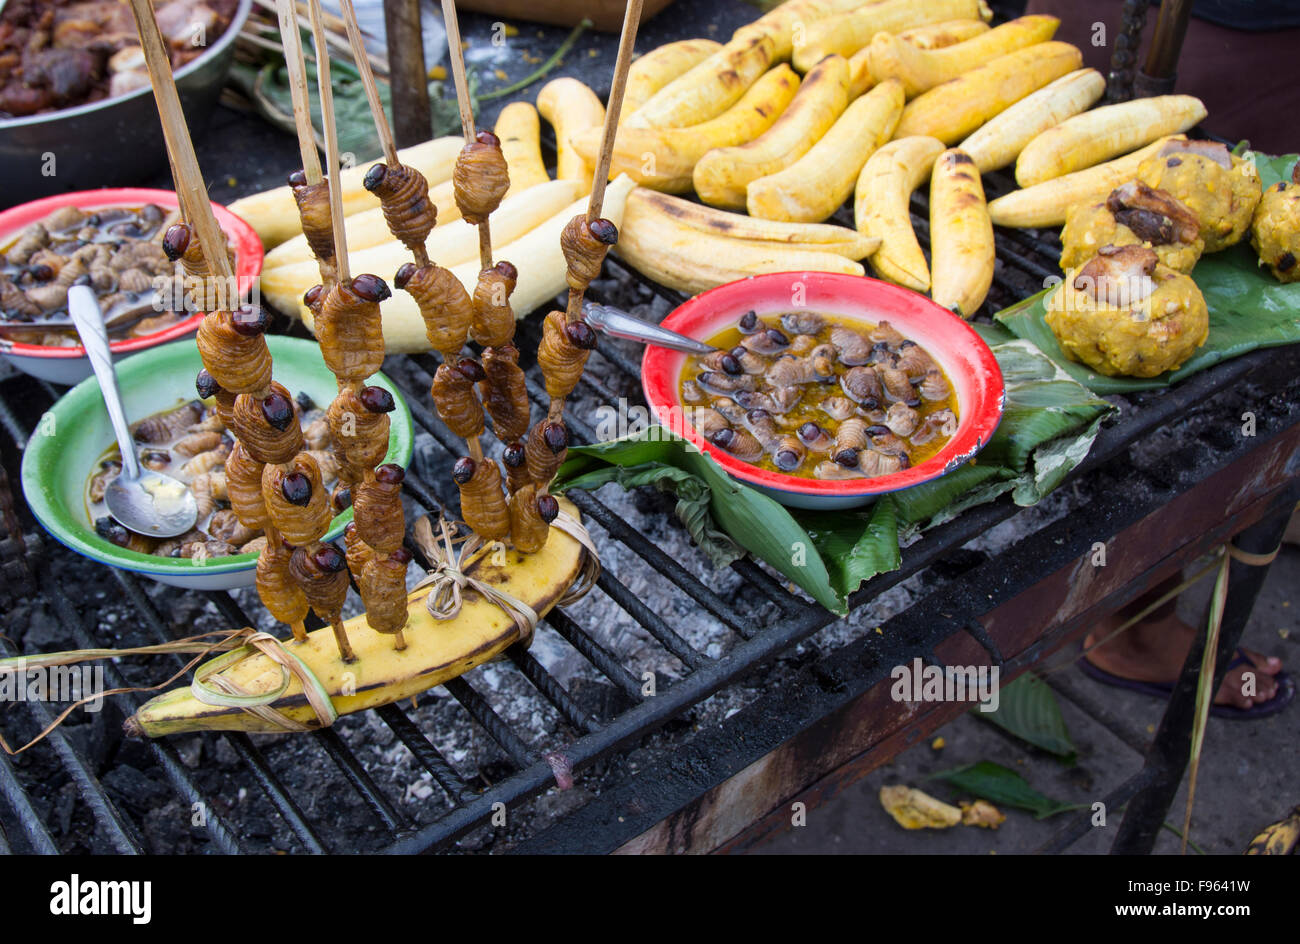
x=619 y=324
x=142 y=500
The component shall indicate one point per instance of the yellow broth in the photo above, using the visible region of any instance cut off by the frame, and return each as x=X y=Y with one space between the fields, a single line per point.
x=808 y=409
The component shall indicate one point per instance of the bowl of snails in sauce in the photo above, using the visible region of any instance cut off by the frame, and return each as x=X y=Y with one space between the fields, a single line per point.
x=114 y=237
x=826 y=390
x=74 y=454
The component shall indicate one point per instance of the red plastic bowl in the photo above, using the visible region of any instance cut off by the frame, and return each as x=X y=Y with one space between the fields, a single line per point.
x=53 y=362
x=963 y=355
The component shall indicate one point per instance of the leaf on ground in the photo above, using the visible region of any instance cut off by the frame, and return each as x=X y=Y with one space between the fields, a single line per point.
x=1001 y=785
x=1028 y=709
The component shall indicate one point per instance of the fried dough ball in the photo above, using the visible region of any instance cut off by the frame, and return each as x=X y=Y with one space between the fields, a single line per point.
x=1220 y=188
x=1275 y=230
x=1133 y=215
x=1124 y=314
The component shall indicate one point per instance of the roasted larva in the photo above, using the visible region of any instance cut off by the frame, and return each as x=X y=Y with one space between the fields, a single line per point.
x=403 y=193
x=444 y=305
x=562 y=353
x=234 y=350
x=350 y=329
x=279 y=592
x=482 y=503
x=504 y=392
x=480 y=179
x=376 y=502
x=494 y=321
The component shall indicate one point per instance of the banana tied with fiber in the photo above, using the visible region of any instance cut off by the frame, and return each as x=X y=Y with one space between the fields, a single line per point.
x=1104 y=133
x=880 y=207
x=961 y=235
x=436 y=650
x=922 y=69
x=665 y=158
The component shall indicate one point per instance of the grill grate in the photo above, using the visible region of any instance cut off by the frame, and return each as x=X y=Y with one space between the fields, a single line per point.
x=767 y=621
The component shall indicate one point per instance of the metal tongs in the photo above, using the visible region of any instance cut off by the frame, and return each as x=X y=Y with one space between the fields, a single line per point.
x=619 y=324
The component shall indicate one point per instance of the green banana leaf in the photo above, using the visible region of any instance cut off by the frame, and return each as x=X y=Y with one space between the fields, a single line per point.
x=1249 y=309
x=1049 y=427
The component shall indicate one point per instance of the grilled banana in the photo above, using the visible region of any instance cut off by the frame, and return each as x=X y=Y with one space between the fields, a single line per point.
x=1281 y=838
x=1046 y=204
x=721 y=175
x=1104 y=133
x=923 y=69
x=571 y=108
x=954 y=109
x=665 y=158
x=961 y=235
x=657 y=68
x=436 y=650
x=816 y=185
x=1000 y=142
x=880 y=208
x=846 y=33
x=707 y=90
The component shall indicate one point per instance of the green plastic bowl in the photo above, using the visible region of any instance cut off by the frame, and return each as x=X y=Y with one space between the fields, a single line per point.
x=72 y=436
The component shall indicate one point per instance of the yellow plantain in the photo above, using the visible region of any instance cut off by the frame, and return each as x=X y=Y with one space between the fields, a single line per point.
x=816 y=185
x=274 y=213
x=784 y=23
x=880 y=208
x=520 y=133
x=846 y=33
x=1281 y=838
x=665 y=158
x=923 y=69
x=537 y=255
x=571 y=108
x=447 y=245
x=961 y=235
x=998 y=143
x=707 y=90
x=657 y=68
x=1103 y=133
x=942 y=35
x=811 y=237
x=436 y=650
x=522 y=149
x=1046 y=204
x=691 y=261
x=860 y=80
x=953 y=110
x=722 y=174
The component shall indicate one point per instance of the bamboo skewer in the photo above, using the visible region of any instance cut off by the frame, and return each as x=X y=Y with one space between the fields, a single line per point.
x=191 y=192
x=457 y=54
x=297 y=69
x=331 y=142
x=626 y=43
x=382 y=128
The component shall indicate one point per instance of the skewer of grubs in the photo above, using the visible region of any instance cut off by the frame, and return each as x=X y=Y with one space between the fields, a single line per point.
x=237 y=364
x=567 y=340
x=350 y=331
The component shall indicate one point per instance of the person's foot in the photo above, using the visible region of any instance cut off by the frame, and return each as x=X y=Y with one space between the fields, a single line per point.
x=1155 y=652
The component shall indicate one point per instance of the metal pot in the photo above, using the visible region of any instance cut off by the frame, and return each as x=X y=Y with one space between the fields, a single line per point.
x=114 y=142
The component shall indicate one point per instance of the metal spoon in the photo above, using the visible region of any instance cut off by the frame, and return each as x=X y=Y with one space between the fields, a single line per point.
x=619 y=324
x=144 y=501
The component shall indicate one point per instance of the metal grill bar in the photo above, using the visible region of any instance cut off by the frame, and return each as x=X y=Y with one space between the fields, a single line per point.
x=486 y=715
x=426 y=754
x=39 y=837
x=653 y=623
x=594 y=652
x=555 y=693
x=361 y=781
